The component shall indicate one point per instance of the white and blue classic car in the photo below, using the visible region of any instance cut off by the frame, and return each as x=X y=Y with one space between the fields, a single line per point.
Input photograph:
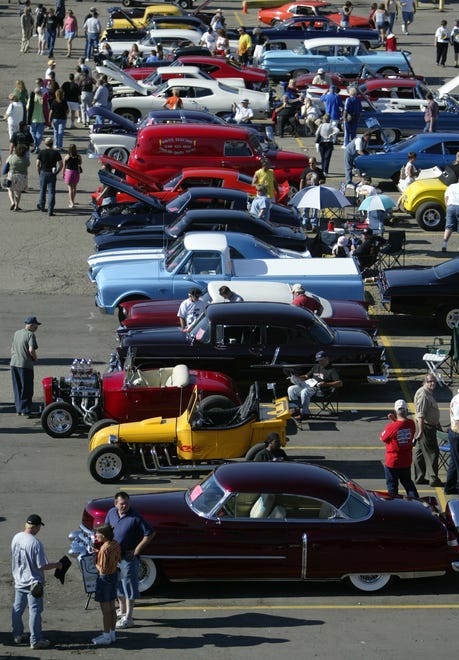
x=338 y=54
x=202 y=257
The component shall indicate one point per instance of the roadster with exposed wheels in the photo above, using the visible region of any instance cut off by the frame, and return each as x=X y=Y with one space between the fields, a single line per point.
x=84 y=398
x=203 y=436
x=287 y=521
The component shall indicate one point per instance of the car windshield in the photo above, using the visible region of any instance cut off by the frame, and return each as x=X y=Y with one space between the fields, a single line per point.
x=200 y=329
x=405 y=145
x=206 y=496
x=159 y=91
x=175 y=255
x=180 y=203
x=358 y=504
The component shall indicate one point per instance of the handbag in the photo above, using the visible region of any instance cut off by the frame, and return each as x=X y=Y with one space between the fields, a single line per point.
x=6 y=168
x=6 y=183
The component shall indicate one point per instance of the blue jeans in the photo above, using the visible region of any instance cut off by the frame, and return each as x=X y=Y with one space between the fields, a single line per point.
x=22 y=598
x=58 y=127
x=452 y=476
x=22 y=388
x=37 y=130
x=452 y=217
x=50 y=41
x=47 y=185
x=394 y=475
x=391 y=21
x=350 y=131
x=92 y=42
x=128 y=578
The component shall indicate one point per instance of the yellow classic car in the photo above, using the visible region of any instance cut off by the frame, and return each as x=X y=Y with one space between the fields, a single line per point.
x=202 y=437
x=424 y=199
x=150 y=12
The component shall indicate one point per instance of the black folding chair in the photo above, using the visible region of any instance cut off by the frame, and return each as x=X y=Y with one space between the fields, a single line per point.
x=328 y=404
x=393 y=252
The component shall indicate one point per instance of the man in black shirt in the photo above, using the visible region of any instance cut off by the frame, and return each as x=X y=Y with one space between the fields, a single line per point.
x=320 y=381
x=72 y=96
x=49 y=164
x=367 y=251
x=22 y=136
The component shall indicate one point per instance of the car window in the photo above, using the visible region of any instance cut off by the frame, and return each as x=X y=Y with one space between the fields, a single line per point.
x=199 y=92
x=276 y=506
x=202 y=263
x=237 y=148
x=205 y=496
x=358 y=504
x=200 y=329
x=451 y=147
x=302 y=11
x=280 y=335
x=323 y=51
x=240 y=335
x=433 y=149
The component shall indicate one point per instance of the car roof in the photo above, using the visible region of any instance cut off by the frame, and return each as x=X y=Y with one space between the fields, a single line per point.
x=331 y=41
x=283 y=477
x=202 y=240
x=231 y=133
x=258 y=312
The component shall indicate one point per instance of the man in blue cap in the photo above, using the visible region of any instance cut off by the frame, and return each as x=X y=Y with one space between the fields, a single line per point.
x=320 y=380
x=23 y=355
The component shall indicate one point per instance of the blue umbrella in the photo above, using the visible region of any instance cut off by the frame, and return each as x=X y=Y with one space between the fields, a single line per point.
x=319 y=197
x=377 y=203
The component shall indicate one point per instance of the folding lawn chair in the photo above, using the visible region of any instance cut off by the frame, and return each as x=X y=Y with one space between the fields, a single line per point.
x=442 y=361
x=444 y=450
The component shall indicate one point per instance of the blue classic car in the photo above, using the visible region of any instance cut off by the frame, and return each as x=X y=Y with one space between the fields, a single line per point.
x=431 y=149
x=297 y=28
x=201 y=257
x=338 y=54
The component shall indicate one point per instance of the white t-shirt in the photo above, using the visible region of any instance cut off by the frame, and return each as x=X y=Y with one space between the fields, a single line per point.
x=242 y=113
x=442 y=35
x=454 y=413
x=452 y=195
x=191 y=310
x=27 y=560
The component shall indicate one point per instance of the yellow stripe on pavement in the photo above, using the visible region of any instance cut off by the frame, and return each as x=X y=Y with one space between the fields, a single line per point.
x=254 y=608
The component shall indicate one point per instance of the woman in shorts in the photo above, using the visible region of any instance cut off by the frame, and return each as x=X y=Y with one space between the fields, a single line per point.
x=70 y=30
x=108 y=558
x=71 y=172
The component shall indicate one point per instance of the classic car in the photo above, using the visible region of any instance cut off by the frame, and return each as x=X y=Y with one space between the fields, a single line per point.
x=198 y=439
x=338 y=54
x=286 y=521
x=142 y=7
x=209 y=219
x=85 y=398
x=170 y=40
x=212 y=95
x=201 y=257
x=118 y=138
x=141 y=18
x=276 y=14
x=261 y=338
x=424 y=199
x=431 y=149
x=148 y=210
x=217 y=67
x=423 y=291
x=310 y=27
x=164 y=150
x=336 y=313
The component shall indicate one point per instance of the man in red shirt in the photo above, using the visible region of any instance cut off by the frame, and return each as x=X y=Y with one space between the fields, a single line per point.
x=398 y=437
x=307 y=301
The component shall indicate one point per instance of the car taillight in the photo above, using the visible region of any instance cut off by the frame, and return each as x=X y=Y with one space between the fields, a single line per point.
x=87 y=520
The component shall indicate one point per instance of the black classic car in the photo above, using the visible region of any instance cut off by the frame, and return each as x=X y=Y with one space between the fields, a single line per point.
x=423 y=291
x=256 y=341
x=148 y=210
x=205 y=220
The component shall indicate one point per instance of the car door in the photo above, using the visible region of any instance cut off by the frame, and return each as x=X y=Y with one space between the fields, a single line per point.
x=344 y=61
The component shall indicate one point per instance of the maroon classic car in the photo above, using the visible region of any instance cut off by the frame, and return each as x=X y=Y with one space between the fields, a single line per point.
x=85 y=398
x=156 y=313
x=287 y=521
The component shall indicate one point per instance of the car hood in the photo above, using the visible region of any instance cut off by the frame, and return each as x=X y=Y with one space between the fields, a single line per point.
x=123 y=78
x=400 y=278
x=449 y=87
x=112 y=117
x=120 y=185
x=164 y=336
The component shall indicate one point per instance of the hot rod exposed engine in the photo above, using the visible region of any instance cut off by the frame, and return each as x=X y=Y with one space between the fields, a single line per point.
x=72 y=400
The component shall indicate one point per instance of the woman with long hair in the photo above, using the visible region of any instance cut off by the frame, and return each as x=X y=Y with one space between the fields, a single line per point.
x=70 y=30
x=58 y=117
x=18 y=163
x=71 y=172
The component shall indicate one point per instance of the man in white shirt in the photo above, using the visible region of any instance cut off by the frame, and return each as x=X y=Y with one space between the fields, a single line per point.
x=209 y=40
x=452 y=476
x=242 y=113
x=452 y=213
x=191 y=309
x=92 y=28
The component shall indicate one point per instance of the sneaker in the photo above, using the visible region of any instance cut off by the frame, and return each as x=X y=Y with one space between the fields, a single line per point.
x=403 y=28
x=125 y=622
x=120 y=614
x=444 y=248
x=112 y=636
x=41 y=644
x=102 y=640
x=21 y=639
x=436 y=482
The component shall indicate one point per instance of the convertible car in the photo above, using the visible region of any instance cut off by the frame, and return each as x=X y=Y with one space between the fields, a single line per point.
x=170 y=40
x=337 y=54
x=425 y=197
x=274 y=15
x=262 y=338
x=84 y=398
x=156 y=313
x=195 y=441
x=286 y=521
x=423 y=291
x=432 y=149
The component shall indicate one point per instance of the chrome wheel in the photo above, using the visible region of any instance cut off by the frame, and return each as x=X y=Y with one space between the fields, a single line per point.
x=59 y=419
x=106 y=464
x=370 y=581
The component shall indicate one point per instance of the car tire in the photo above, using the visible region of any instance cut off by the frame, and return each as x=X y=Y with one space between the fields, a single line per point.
x=430 y=216
x=370 y=582
x=216 y=402
x=118 y=153
x=149 y=574
x=106 y=464
x=99 y=425
x=275 y=21
x=448 y=317
x=129 y=113
x=392 y=135
x=184 y=4
x=59 y=419
x=126 y=3
x=253 y=451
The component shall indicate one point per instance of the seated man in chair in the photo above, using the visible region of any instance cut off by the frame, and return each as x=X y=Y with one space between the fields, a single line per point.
x=320 y=381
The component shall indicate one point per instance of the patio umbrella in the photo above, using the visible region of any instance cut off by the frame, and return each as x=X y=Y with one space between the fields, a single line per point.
x=319 y=197
x=377 y=203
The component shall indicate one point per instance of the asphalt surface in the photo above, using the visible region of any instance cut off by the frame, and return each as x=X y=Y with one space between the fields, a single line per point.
x=42 y=272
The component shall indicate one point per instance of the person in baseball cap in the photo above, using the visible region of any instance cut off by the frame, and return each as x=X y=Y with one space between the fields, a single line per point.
x=191 y=308
x=398 y=436
x=32 y=320
x=319 y=382
x=23 y=356
x=35 y=520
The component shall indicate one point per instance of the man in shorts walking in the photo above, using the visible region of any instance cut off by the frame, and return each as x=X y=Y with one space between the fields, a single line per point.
x=452 y=213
